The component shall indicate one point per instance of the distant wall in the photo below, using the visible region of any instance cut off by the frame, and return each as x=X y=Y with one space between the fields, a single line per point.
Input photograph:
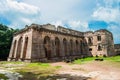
x=117 y=49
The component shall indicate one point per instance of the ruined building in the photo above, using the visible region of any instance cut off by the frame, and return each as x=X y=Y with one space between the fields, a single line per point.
x=48 y=43
x=117 y=49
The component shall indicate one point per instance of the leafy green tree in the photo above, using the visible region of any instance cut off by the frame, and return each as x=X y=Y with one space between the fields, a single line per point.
x=6 y=35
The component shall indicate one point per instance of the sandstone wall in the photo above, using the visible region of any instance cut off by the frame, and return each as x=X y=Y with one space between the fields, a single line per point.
x=117 y=49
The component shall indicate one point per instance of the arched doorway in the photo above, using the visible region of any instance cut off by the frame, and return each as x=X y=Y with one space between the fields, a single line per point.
x=77 y=47
x=90 y=41
x=65 y=46
x=99 y=48
x=14 y=46
x=57 y=46
x=19 y=47
x=47 y=47
x=25 y=48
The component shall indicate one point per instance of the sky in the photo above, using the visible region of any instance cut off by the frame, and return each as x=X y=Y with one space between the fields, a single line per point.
x=81 y=15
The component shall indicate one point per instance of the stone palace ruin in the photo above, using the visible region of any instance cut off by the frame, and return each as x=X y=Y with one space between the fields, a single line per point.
x=47 y=43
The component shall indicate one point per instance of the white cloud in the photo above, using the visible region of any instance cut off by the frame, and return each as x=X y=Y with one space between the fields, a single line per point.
x=56 y=10
x=107 y=14
x=109 y=11
x=116 y=32
x=79 y=25
x=75 y=25
x=19 y=13
x=58 y=23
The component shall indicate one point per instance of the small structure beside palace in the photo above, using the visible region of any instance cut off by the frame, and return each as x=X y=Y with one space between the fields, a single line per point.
x=117 y=49
x=46 y=43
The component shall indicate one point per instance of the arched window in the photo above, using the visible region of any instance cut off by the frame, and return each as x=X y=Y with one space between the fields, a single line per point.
x=47 y=47
x=99 y=47
x=19 y=47
x=77 y=47
x=25 y=47
x=90 y=41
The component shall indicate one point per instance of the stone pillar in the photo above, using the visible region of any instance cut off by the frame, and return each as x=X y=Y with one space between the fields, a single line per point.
x=68 y=48
x=11 y=51
x=22 y=49
x=29 y=48
x=79 y=48
x=53 y=52
x=74 y=48
x=62 y=49
x=15 y=54
x=66 y=54
x=53 y=48
x=42 y=51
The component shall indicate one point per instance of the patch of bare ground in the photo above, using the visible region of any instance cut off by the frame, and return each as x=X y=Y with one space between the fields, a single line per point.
x=95 y=70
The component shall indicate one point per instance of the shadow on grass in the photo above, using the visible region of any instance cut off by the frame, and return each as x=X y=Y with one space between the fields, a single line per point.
x=31 y=76
x=2 y=76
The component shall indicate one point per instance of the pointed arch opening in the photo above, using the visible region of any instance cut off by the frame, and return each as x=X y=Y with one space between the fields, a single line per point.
x=25 y=48
x=19 y=47
x=47 y=47
x=99 y=48
x=57 y=46
x=90 y=41
x=77 y=47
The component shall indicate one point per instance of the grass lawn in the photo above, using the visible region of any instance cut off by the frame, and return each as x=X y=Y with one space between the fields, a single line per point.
x=114 y=59
x=40 y=71
x=30 y=71
x=2 y=76
x=38 y=68
x=84 y=60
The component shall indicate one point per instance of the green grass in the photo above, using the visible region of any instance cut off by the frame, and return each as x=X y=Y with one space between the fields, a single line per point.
x=84 y=60
x=30 y=71
x=33 y=71
x=2 y=76
x=37 y=70
x=114 y=58
x=88 y=59
x=7 y=62
x=58 y=67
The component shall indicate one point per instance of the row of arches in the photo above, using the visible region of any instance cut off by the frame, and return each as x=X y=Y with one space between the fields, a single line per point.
x=52 y=48
x=20 y=48
x=68 y=48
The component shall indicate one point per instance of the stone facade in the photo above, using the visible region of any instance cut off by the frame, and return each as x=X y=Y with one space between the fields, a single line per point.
x=117 y=49
x=48 y=43
x=100 y=42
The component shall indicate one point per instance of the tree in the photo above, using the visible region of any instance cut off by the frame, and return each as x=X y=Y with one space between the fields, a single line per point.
x=6 y=35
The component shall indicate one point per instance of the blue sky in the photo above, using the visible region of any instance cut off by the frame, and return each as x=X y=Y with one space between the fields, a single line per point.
x=82 y=15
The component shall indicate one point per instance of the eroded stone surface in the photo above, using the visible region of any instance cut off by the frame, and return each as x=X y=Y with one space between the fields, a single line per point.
x=47 y=43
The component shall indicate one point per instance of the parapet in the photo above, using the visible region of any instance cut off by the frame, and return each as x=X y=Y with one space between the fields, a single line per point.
x=103 y=31
x=61 y=29
x=51 y=28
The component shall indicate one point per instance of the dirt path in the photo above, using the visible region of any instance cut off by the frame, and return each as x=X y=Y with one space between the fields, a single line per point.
x=95 y=70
